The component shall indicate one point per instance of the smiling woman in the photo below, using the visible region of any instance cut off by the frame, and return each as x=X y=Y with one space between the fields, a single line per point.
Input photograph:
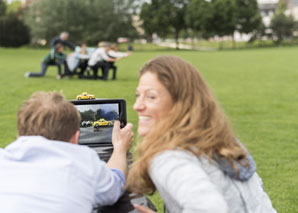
x=188 y=151
x=152 y=103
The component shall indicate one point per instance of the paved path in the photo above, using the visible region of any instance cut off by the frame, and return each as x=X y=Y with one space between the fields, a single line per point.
x=185 y=46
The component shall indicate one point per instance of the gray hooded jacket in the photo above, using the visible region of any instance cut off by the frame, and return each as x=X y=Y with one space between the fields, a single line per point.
x=191 y=184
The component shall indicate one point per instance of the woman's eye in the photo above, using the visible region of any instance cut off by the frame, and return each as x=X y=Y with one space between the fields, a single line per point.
x=151 y=97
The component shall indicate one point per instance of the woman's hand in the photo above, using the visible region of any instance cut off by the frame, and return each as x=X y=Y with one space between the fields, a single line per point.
x=122 y=138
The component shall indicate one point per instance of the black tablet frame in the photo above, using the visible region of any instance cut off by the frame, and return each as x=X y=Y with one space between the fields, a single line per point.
x=122 y=113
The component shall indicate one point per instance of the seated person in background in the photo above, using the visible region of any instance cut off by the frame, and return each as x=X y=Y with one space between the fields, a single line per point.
x=55 y=57
x=114 y=53
x=78 y=59
x=130 y=48
x=45 y=170
x=189 y=152
x=63 y=40
x=100 y=59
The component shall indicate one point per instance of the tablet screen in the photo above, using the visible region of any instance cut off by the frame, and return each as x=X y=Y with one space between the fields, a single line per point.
x=97 y=122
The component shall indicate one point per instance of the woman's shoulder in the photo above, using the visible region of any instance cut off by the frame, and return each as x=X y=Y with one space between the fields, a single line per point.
x=178 y=159
x=180 y=155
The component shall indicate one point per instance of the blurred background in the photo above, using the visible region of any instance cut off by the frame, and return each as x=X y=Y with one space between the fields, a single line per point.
x=186 y=24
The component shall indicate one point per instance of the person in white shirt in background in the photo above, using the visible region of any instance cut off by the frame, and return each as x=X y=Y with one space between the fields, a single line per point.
x=100 y=59
x=45 y=170
x=114 y=53
x=188 y=151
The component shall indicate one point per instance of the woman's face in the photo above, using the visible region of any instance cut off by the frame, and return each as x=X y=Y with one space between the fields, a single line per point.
x=153 y=101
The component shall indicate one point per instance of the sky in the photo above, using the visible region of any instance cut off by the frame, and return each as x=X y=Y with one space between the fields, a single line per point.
x=9 y=1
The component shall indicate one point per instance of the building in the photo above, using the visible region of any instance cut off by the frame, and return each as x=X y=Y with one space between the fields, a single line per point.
x=292 y=6
x=267 y=9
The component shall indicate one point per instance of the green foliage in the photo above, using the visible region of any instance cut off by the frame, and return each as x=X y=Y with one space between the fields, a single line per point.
x=257 y=88
x=86 y=20
x=248 y=16
x=282 y=25
x=88 y=115
x=2 y=8
x=164 y=17
x=14 y=7
x=14 y=33
x=198 y=13
x=224 y=17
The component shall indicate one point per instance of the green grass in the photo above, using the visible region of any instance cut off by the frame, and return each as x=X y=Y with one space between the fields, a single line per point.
x=257 y=89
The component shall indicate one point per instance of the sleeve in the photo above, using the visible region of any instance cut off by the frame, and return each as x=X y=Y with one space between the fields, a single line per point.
x=104 y=55
x=83 y=56
x=53 y=42
x=179 y=177
x=52 y=54
x=70 y=45
x=109 y=184
x=114 y=54
x=60 y=56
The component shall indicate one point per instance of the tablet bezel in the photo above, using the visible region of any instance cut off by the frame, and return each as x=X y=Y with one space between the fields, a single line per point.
x=122 y=113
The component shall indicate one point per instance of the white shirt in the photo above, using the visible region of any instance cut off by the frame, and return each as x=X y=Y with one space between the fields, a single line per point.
x=115 y=54
x=40 y=175
x=98 y=55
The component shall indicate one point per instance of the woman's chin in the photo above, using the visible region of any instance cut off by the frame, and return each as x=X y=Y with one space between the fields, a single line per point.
x=142 y=131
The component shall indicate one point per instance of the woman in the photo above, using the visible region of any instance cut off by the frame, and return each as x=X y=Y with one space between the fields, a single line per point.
x=188 y=150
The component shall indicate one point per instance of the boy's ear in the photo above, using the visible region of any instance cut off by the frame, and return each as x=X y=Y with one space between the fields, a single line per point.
x=75 y=138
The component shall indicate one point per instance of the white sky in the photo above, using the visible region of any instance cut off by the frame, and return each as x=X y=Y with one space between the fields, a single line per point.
x=268 y=1
x=94 y=107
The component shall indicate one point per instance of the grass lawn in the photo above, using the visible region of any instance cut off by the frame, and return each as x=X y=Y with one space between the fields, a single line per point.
x=257 y=88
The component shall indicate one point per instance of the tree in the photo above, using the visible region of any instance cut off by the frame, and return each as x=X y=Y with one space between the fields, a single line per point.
x=248 y=16
x=14 y=32
x=14 y=7
x=282 y=25
x=155 y=18
x=198 y=13
x=164 y=17
x=223 y=19
x=88 y=115
x=86 y=20
x=148 y=18
x=177 y=17
x=2 y=8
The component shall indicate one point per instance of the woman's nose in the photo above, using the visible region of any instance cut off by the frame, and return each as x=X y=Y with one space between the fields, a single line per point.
x=139 y=104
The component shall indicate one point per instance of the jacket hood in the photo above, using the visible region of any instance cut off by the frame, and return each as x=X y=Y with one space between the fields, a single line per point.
x=244 y=172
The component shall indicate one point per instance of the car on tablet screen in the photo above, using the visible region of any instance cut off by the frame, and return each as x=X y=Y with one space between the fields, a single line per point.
x=85 y=96
x=102 y=122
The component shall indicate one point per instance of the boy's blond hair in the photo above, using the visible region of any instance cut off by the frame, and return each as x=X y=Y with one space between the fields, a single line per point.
x=50 y=115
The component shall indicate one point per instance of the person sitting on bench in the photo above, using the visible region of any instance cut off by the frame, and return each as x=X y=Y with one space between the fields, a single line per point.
x=78 y=59
x=114 y=53
x=55 y=57
x=100 y=59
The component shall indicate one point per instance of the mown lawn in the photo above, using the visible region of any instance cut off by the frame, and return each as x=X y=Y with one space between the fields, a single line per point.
x=257 y=88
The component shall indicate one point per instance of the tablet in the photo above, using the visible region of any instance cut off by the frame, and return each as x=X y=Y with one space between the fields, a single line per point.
x=97 y=120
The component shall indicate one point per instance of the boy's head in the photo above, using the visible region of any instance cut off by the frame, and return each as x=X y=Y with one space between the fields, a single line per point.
x=114 y=47
x=50 y=115
x=59 y=48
